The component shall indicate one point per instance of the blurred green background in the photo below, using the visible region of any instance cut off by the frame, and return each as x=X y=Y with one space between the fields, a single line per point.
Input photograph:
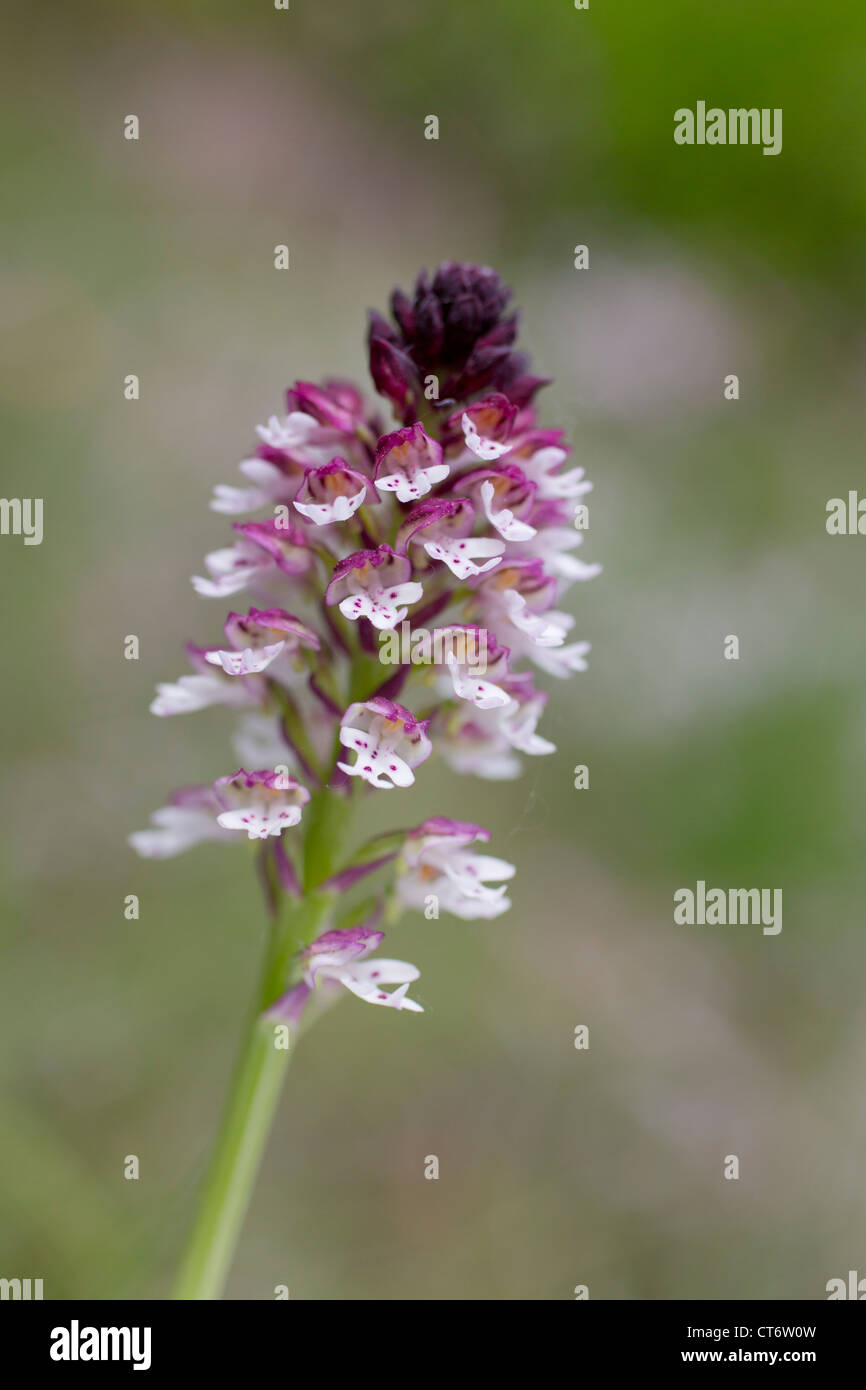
x=558 y=1167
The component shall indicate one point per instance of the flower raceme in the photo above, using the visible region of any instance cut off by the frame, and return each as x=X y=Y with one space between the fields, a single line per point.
x=458 y=523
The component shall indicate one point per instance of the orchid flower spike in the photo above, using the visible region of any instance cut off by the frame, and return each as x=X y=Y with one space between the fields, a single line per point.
x=401 y=583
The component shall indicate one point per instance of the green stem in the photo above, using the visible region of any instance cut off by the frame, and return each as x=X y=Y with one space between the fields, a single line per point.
x=245 y=1128
x=259 y=1072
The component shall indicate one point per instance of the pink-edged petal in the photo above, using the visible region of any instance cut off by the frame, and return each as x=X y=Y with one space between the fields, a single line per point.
x=248 y=661
x=235 y=501
x=381 y=767
x=458 y=554
x=518 y=724
x=544 y=629
x=467 y=686
x=231 y=570
x=174 y=829
x=382 y=606
x=342 y=508
x=505 y=522
x=260 y=821
x=487 y=449
x=371 y=993
x=191 y=693
x=561 y=661
x=380 y=970
x=291 y=433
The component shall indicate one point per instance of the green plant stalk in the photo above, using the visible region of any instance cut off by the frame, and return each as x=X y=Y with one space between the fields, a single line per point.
x=245 y=1127
x=260 y=1068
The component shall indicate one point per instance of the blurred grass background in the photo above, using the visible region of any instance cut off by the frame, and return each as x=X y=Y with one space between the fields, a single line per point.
x=557 y=1167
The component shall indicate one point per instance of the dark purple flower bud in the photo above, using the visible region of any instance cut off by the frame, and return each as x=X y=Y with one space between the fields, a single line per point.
x=429 y=328
x=393 y=374
x=401 y=308
x=504 y=332
x=487 y=366
x=380 y=328
x=524 y=387
x=454 y=328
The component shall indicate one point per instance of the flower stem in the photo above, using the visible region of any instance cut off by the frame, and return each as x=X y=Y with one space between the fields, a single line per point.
x=257 y=1080
x=245 y=1127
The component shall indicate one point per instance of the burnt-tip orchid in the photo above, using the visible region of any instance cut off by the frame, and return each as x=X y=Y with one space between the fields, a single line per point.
x=453 y=524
